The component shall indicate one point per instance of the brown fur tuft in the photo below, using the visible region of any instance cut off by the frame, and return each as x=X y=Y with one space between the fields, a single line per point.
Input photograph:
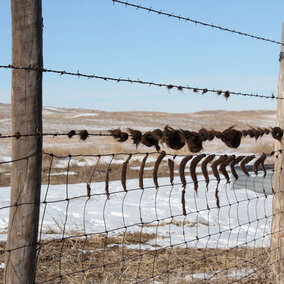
x=204 y=168
x=193 y=140
x=173 y=138
x=149 y=140
x=136 y=136
x=83 y=134
x=71 y=133
x=156 y=167
x=119 y=135
x=245 y=161
x=192 y=169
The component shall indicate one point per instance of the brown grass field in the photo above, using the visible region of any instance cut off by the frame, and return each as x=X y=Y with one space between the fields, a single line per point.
x=104 y=259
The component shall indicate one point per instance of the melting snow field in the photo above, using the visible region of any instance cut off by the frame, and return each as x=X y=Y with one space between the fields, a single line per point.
x=244 y=218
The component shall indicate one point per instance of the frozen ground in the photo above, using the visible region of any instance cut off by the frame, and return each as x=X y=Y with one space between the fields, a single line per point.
x=235 y=223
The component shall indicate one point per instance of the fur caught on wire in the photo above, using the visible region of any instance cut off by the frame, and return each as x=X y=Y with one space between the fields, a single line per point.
x=177 y=138
x=173 y=138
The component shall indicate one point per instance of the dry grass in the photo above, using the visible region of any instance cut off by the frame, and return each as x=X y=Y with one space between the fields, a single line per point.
x=177 y=223
x=104 y=260
x=107 y=259
x=266 y=147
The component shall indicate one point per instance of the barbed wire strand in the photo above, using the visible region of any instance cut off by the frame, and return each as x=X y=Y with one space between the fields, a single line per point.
x=188 y=19
x=226 y=93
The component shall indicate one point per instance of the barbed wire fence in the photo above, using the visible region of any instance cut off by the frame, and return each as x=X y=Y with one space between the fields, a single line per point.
x=152 y=217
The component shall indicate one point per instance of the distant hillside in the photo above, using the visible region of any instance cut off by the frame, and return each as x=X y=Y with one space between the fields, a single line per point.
x=63 y=120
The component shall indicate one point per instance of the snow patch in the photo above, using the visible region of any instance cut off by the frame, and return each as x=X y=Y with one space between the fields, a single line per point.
x=63 y=173
x=243 y=223
x=85 y=114
x=5 y=159
x=55 y=109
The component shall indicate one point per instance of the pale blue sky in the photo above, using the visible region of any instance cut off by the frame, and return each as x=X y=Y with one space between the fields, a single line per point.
x=97 y=37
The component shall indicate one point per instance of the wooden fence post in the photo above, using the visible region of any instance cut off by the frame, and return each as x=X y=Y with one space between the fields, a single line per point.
x=277 y=238
x=26 y=119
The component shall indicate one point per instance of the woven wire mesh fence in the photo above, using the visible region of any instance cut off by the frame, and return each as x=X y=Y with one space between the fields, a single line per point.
x=151 y=218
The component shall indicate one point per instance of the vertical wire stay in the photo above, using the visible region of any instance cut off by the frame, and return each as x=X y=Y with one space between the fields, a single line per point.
x=156 y=222
x=124 y=234
x=256 y=217
x=45 y=203
x=155 y=180
x=88 y=197
x=105 y=236
x=171 y=165
x=141 y=185
x=230 y=225
x=65 y=220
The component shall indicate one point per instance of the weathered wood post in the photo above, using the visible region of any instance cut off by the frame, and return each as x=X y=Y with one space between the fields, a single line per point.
x=26 y=119
x=277 y=238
